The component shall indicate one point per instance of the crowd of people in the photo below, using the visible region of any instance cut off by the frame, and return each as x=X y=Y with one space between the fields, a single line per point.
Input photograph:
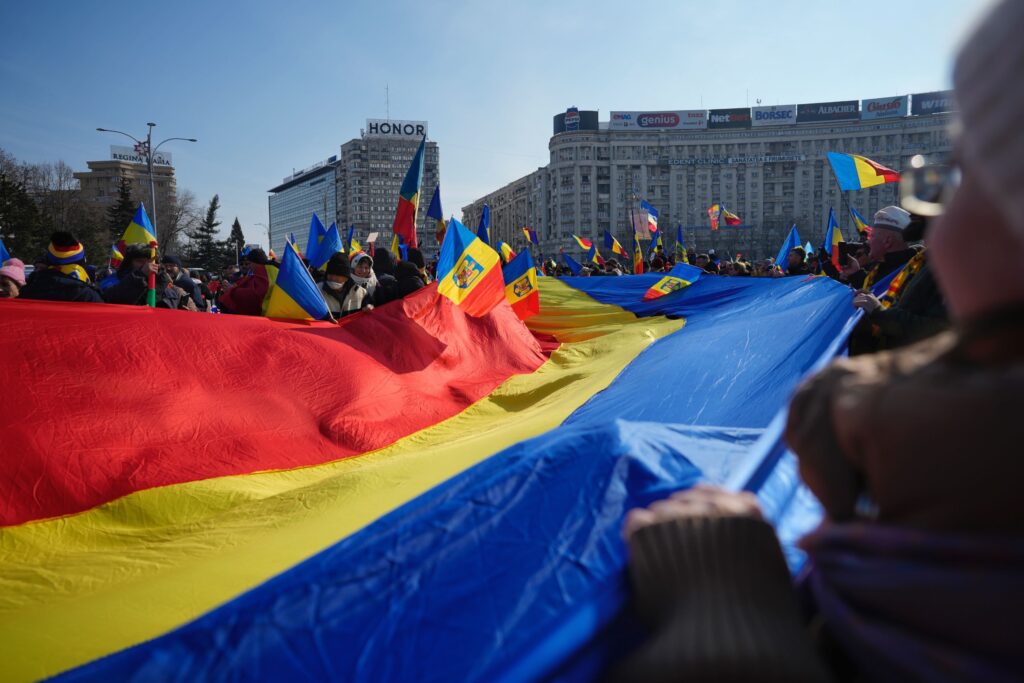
x=917 y=571
x=349 y=282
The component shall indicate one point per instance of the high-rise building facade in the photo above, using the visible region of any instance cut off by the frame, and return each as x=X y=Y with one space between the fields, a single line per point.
x=101 y=184
x=370 y=176
x=292 y=204
x=766 y=164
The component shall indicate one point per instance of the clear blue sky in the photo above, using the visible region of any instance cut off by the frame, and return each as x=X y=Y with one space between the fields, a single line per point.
x=271 y=86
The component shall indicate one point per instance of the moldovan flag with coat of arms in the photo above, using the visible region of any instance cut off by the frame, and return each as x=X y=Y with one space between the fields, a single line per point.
x=469 y=271
x=409 y=199
x=521 y=285
x=682 y=275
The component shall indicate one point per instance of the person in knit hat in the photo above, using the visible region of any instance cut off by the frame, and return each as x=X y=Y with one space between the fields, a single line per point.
x=172 y=265
x=64 y=278
x=340 y=291
x=12 y=278
x=916 y=569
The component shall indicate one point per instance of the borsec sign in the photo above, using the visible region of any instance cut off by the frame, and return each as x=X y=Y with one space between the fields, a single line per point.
x=778 y=115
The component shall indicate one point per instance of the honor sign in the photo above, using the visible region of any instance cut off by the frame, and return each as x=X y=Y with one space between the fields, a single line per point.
x=395 y=129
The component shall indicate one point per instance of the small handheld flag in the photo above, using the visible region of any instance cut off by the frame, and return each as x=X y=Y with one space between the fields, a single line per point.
x=482 y=230
x=521 y=285
x=409 y=199
x=329 y=246
x=652 y=215
x=594 y=256
x=584 y=243
x=574 y=267
x=833 y=237
x=435 y=212
x=859 y=222
x=682 y=275
x=730 y=218
x=638 y=257
x=611 y=243
x=854 y=172
x=140 y=231
x=469 y=272
x=713 y=213
x=531 y=235
x=317 y=232
x=116 y=257
x=294 y=295
x=680 y=246
x=791 y=243
x=4 y=254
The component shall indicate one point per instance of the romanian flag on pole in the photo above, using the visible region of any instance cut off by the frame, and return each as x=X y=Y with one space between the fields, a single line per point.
x=854 y=172
x=652 y=215
x=317 y=233
x=730 y=218
x=436 y=213
x=139 y=231
x=859 y=222
x=585 y=244
x=409 y=199
x=506 y=251
x=714 y=211
x=328 y=247
x=574 y=266
x=792 y=242
x=521 y=287
x=531 y=235
x=682 y=275
x=658 y=241
x=833 y=236
x=611 y=243
x=294 y=295
x=638 y=256
x=680 y=243
x=116 y=257
x=469 y=271
x=483 y=229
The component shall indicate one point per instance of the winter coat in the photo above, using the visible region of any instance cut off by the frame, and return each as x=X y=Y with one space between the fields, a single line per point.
x=191 y=289
x=246 y=297
x=351 y=298
x=53 y=285
x=408 y=279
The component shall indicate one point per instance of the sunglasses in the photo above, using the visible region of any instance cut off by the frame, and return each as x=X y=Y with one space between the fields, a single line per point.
x=928 y=185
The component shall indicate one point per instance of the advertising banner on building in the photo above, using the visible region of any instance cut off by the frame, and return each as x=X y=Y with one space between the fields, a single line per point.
x=729 y=118
x=137 y=155
x=884 y=108
x=931 y=102
x=827 y=111
x=395 y=129
x=778 y=115
x=659 y=120
x=574 y=120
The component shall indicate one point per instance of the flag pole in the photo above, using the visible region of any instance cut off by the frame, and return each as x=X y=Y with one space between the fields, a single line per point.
x=151 y=283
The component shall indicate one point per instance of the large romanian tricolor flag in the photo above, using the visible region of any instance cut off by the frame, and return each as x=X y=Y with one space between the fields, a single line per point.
x=415 y=493
x=854 y=172
x=409 y=199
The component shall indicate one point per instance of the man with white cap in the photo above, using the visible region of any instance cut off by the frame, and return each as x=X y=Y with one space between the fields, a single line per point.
x=888 y=251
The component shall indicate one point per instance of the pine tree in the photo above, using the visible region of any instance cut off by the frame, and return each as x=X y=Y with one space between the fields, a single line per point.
x=237 y=240
x=22 y=227
x=206 y=251
x=120 y=214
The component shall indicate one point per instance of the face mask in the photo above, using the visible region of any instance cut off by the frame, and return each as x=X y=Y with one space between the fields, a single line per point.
x=335 y=285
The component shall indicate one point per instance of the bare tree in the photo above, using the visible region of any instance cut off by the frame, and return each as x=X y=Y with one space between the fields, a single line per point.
x=177 y=220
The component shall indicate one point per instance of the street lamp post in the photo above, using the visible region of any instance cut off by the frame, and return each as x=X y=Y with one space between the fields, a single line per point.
x=150 y=151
